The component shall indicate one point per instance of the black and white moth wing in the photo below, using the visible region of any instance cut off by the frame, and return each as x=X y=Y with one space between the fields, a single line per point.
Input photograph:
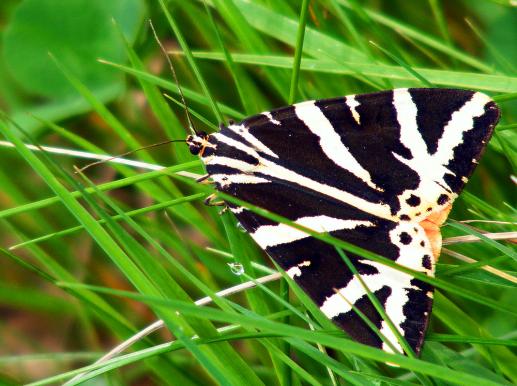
x=320 y=271
x=366 y=168
x=403 y=148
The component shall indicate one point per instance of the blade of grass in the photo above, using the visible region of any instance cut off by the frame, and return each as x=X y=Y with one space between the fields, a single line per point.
x=132 y=213
x=97 y=306
x=267 y=325
x=189 y=214
x=439 y=17
x=298 y=51
x=191 y=60
x=128 y=138
x=256 y=299
x=511 y=126
x=123 y=261
x=471 y=339
x=345 y=18
x=104 y=187
x=173 y=88
x=251 y=41
x=471 y=266
x=193 y=113
x=168 y=120
x=496 y=83
x=221 y=361
x=244 y=87
x=102 y=110
x=461 y=323
x=405 y=29
x=504 y=64
x=262 y=18
x=504 y=249
x=409 y=69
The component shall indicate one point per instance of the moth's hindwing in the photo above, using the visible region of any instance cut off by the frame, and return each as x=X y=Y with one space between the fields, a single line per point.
x=368 y=169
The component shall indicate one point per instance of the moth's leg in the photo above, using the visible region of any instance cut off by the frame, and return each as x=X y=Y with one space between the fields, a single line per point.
x=210 y=201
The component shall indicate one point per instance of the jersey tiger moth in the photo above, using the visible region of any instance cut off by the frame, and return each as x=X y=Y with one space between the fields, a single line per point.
x=380 y=171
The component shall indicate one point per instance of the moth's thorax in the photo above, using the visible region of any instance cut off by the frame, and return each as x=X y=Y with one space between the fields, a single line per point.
x=431 y=225
x=200 y=144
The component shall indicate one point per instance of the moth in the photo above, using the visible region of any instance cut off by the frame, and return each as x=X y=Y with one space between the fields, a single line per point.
x=379 y=171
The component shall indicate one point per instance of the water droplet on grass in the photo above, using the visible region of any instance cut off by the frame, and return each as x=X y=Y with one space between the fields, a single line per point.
x=236 y=268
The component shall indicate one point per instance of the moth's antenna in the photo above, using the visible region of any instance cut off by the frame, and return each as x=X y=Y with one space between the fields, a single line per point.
x=173 y=70
x=127 y=153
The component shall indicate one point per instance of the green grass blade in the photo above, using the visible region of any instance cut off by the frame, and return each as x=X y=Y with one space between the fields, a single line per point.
x=104 y=187
x=189 y=94
x=266 y=325
x=409 y=69
x=298 y=51
x=132 y=213
x=495 y=83
x=191 y=60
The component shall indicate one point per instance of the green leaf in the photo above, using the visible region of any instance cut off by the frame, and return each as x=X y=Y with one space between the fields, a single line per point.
x=75 y=31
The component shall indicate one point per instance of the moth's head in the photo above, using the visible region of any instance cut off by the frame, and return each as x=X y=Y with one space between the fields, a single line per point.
x=199 y=144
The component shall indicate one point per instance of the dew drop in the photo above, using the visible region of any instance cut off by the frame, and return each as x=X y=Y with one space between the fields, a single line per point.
x=241 y=227
x=236 y=268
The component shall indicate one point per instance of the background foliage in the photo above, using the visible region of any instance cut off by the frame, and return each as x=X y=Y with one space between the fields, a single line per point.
x=156 y=239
